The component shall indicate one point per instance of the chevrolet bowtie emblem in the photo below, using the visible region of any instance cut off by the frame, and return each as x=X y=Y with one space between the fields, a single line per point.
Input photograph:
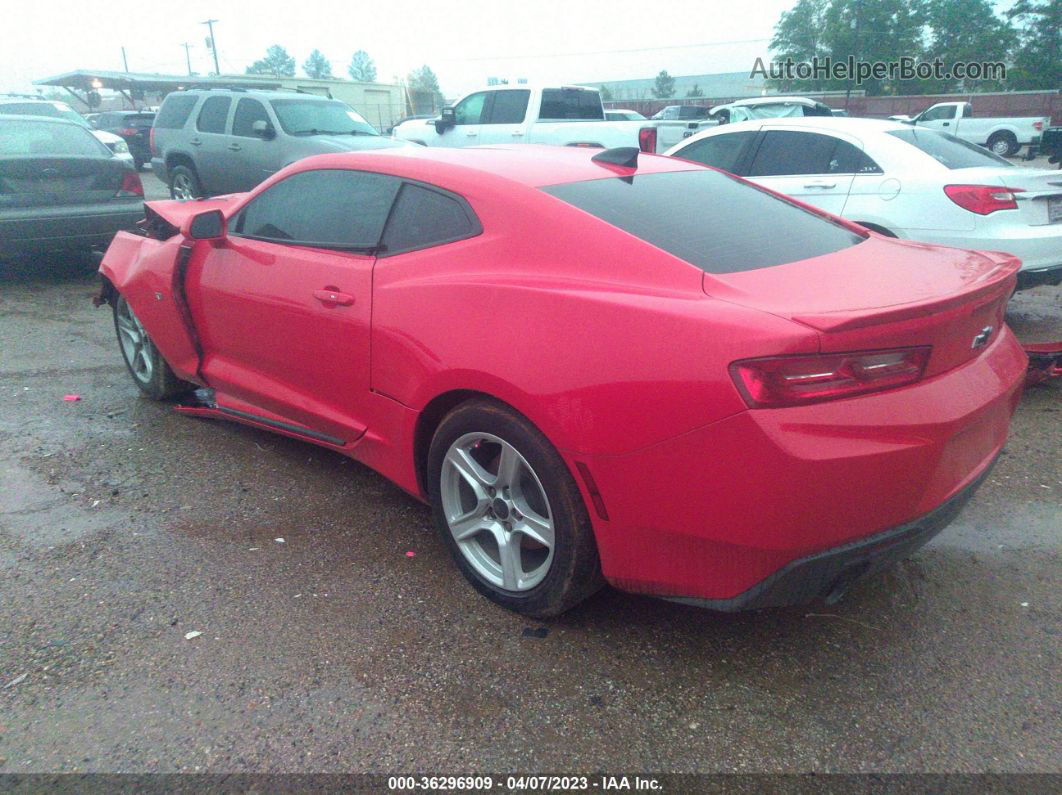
x=981 y=338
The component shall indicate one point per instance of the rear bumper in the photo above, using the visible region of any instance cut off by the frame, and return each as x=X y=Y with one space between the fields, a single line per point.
x=1037 y=247
x=828 y=574
x=712 y=514
x=77 y=226
x=158 y=168
x=1037 y=276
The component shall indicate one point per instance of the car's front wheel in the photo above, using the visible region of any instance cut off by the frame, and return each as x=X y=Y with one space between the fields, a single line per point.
x=510 y=511
x=149 y=370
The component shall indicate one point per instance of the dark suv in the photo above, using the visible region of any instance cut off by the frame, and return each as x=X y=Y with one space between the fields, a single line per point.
x=134 y=126
x=211 y=141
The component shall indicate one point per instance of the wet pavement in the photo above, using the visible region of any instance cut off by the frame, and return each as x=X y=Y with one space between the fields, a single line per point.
x=324 y=647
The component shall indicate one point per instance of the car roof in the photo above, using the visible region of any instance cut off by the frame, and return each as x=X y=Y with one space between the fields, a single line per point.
x=775 y=100
x=29 y=117
x=830 y=123
x=527 y=164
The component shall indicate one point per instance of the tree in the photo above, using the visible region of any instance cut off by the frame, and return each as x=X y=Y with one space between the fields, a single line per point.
x=1038 y=57
x=277 y=63
x=362 y=67
x=966 y=30
x=317 y=66
x=423 y=82
x=799 y=35
x=695 y=91
x=664 y=86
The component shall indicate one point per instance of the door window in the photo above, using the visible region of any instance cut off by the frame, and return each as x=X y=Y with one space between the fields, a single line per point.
x=425 y=217
x=786 y=152
x=718 y=151
x=470 y=109
x=939 y=113
x=248 y=111
x=213 y=114
x=509 y=107
x=344 y=210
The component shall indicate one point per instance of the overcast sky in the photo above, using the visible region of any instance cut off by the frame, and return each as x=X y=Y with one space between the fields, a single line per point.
x=464 y=41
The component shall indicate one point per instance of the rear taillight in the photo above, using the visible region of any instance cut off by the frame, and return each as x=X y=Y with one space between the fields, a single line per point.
x=127 y=131
x=151 y=142
x=647 y=139
x=983 y=199
x=797 y=380
x=131 y=185
x=1038 y=126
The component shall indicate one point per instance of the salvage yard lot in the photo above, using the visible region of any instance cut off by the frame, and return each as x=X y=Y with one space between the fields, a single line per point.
x=126 y=526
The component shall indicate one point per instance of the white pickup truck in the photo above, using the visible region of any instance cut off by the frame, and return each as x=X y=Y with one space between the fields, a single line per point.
x=1003 y=135
x=560 y=116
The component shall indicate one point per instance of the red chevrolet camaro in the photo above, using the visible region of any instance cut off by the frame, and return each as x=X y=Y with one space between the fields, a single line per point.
x=595 y=366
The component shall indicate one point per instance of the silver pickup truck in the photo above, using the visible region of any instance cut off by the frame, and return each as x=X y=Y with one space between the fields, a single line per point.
x=560 y=116
x=1003 y=135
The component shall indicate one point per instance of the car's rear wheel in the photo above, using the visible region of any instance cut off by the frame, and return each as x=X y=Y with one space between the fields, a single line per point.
x=510 y=511
x=150 y=371
x=184 y=184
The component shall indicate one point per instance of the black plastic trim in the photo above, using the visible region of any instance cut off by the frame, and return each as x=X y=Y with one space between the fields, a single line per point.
x=282 y=426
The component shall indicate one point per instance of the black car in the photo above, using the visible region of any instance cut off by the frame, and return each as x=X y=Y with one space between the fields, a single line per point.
x=60 y=188
x=134 y=126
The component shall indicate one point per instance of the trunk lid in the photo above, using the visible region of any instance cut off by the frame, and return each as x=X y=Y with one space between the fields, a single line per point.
x=885 y=293
x=58 y=180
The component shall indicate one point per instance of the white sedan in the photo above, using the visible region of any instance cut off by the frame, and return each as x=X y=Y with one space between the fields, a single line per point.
x=900 y=181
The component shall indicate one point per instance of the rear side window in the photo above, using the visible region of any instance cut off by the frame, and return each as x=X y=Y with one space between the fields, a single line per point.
x=703 y=217
x=718 y=151
x=213 y=114
x=175 y=111
x=560 y=104
x=248 y=111
x=344 y=210
x=427 y=217
x=949 y=151
x=509 y=107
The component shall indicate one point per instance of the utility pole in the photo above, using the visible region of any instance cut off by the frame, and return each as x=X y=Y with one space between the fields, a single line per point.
x=125 y=61
x=188 y=57
x=213 y=44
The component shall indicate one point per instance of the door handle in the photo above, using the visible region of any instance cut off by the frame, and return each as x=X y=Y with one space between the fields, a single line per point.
x=235 y=147
x=195 y=142
x=518 y=132
x=471 y=134
x=333 y=297
x=947 y=124
x=821 y=185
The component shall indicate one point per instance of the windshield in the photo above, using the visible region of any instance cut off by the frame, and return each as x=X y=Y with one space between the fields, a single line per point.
x=320 y=117
x=56 y=110
x=949 y=151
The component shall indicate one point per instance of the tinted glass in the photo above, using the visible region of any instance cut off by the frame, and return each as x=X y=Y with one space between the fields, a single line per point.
x=425 y=217
x=785 y=152
x=703 y=217
x=936 y=114
x=948 y=150
x=509 y=107
x=692 y=112
x=326 y=209
x=41 y=138
x=213 y=114
x=718 y=151
x=139 y=120
x=30 y=109
x=320 y=117
x=571 y=103
x=248 y=111
x=175 y=111
x=850 y=159
x=470 y=109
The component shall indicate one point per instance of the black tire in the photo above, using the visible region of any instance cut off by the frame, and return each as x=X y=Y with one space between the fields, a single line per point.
x=1003 y=139
x=158 y=382
x=181 y=176
x=575 y=570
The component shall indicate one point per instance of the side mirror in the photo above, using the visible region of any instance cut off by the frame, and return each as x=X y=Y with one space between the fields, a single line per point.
x=446 y=120
x=209 y=225
x=263 y=130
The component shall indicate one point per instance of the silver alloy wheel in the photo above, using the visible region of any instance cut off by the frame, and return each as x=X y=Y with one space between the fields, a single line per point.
x=182 y=187
x=1001 y=146
x=136 y=345
x=497 y=511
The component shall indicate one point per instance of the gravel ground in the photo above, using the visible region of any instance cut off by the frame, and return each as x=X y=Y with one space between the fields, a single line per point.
x=124 y=526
